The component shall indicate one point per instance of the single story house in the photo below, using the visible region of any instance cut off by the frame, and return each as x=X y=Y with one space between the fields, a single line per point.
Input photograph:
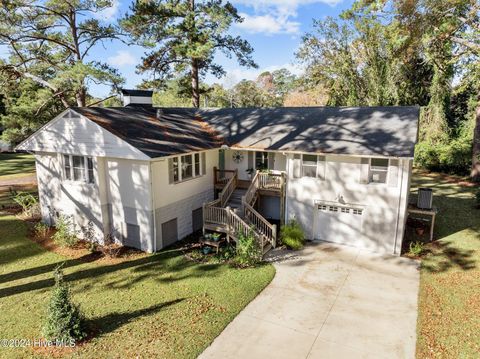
x=151 y=176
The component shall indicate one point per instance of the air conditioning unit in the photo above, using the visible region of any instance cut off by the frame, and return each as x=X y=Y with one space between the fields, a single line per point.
x=425 y=198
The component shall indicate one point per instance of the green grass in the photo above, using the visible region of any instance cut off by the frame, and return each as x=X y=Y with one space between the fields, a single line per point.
x=159 y=306
x=13 y=165
x=449 y=299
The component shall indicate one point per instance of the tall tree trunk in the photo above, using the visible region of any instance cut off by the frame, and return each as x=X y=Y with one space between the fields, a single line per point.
x=81 y=97
x=476 y=148
x=195 y=90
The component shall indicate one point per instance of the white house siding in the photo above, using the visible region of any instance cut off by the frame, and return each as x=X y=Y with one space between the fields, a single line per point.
x=242 y=166
x=74 y=134
x=178 y=200
x=383 y=204
x=129 y=201
x=79 y=200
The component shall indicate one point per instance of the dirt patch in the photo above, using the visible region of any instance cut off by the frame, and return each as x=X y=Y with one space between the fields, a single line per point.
x=81 y=250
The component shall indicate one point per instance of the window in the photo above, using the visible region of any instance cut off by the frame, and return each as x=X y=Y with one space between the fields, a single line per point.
x=261 y=160
x=378 y=170
x=90 y=170
x=309 y=166
x=78 y=168
x=67 y=168
x=357 y=211
x=197 y=164
x=176 y=173
x=184 y=167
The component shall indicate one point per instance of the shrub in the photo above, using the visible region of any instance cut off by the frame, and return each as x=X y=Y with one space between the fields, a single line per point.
x=292 y=235
x=415 y=248
x=64 y=236
x=41 y=230
x=28 y=202
x=248 y=252
x=451 y=157
x=64 y=320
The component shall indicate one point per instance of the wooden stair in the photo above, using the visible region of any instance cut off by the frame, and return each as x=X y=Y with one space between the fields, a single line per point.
x=233 y=213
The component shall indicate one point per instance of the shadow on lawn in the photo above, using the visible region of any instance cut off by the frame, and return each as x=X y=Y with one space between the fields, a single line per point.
x=165 y=267
x=444 y=256
x=112 y=321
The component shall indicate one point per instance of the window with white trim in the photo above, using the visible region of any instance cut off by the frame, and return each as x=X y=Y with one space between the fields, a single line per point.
x=78 y=168
x=185 y=167
x=313 y=166
x=378 y=170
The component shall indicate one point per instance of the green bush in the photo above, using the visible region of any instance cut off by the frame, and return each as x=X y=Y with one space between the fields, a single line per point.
x=28 y=202
x=454 y=156
x=415 y=248
x=64 y=321
x=65 y=236
x=41 y=230
x=292 y=235
x=248 y=252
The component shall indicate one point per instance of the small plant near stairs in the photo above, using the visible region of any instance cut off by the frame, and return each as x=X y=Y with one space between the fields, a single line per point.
x=292 y=235
x=248 y=251
x=64 y=322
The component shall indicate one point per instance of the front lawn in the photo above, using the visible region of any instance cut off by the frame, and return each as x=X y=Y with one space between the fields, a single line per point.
x=449 y=299
x=159 y=306
x=14 y=165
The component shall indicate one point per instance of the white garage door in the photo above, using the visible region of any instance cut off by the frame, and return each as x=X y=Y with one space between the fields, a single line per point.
x=339 y=224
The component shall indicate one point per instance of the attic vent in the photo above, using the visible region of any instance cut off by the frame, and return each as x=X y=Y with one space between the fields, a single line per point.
x=137 y=97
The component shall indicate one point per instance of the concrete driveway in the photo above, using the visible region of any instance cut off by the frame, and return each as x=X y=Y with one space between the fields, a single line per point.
x=328 y=301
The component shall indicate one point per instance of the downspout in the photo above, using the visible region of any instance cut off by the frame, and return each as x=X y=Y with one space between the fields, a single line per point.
x=154 y=235
x=398 y=209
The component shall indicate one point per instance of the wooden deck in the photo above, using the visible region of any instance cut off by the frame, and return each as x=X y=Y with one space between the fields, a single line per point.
x=220 y=218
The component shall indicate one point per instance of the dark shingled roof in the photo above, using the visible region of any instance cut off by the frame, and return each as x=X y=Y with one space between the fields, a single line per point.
x=141 y=128
x=369 y=131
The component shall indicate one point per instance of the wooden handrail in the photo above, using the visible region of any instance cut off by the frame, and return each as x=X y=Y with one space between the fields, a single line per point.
x=228 y=189
x=252 y=189
x=217 y=179
x=263 y=226
x=270 y=181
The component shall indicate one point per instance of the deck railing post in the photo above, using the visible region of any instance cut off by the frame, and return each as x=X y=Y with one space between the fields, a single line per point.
x=274 y=235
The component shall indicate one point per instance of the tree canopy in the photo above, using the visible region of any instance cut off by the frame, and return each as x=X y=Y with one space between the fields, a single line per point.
x=184 y=36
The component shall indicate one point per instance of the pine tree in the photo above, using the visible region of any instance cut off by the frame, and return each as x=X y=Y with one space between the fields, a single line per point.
x=184 y=36
x=64 y=320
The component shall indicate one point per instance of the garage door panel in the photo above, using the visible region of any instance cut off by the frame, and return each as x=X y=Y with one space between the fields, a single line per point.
x=339 y=224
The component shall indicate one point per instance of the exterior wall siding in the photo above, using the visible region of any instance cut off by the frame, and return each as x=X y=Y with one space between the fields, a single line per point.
x=178 y=200
x=182 y=211
x=129 y=202
x=79 y=200
x=382 y=203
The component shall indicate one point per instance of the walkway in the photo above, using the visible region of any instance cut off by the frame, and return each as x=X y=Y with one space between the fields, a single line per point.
x=328 y=301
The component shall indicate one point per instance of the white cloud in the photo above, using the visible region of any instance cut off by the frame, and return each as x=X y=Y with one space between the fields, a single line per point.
x=109 y=13
x=268 y=24
x=274 y=16
x=122 y=58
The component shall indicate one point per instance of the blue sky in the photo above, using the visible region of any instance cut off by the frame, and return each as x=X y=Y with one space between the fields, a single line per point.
x=273 y=27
